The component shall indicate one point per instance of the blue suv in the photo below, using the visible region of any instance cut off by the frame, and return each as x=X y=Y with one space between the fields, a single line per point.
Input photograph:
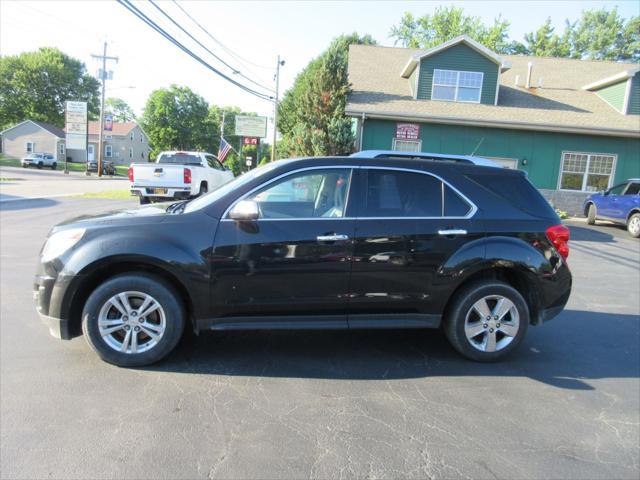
x=620 y=204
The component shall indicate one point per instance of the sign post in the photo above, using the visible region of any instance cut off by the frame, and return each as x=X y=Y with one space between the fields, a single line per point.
x=76 y=128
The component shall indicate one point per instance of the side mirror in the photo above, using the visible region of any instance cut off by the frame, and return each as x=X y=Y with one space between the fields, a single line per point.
x=245 y=210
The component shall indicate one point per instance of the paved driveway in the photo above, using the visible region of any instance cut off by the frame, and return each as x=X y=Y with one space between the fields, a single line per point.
x=25 y=183
x=336 y=404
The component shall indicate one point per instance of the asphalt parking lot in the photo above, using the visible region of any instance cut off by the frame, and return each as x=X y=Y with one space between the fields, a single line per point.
x=391 y=404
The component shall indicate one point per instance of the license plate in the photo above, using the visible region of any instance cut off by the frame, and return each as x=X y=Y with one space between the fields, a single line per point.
x=159 y=191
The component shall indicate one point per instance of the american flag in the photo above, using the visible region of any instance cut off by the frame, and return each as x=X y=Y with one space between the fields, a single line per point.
x=224 y=150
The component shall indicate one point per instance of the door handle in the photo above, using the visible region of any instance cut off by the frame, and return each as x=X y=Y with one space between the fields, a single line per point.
x=332 y=238
x=452 y=231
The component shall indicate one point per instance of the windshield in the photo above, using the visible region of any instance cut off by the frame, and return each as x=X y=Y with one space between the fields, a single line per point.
x=220 y=192
x=179 y=158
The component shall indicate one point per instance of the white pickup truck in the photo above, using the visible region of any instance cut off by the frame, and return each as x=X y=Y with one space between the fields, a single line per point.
x=177 y=175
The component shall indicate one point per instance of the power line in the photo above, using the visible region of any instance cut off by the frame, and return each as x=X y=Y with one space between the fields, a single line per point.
x=228 y=50
x=234 y=70
x=138 y=13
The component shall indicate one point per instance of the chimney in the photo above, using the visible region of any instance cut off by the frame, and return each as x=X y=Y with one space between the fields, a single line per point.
x=529 y=68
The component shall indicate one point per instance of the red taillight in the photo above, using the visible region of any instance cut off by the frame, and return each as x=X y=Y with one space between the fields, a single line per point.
x=131 y=174
x=559 y=236
x=187 y=175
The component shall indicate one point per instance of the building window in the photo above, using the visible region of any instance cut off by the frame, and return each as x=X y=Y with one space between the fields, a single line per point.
x=28 y=147
x=130 y=152
x=108 y=151
x=456 y=86
x=131 y=136
x=141 y=138
x=587 y=172
x=407 y=145
x=61 y=148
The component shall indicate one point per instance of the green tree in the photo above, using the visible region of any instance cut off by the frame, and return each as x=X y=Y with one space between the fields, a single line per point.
x=447 y=23
x=605 y=35
x=36 y=85
x=120 y=109
x=311 y=114
x=545 y=43
x=177 y=118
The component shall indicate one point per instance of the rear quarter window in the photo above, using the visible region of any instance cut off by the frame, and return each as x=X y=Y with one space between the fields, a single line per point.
x=517 y=191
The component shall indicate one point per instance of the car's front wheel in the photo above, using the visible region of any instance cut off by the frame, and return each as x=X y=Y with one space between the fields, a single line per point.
x=591 y=214
x=133 y=320
x=633 y=225
x=487 y=321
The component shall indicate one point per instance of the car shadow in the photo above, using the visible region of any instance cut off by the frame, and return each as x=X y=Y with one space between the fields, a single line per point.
x=566 y=353
x=19 y=203
x=586 y=234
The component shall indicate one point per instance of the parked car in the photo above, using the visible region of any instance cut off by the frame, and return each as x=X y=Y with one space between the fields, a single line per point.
x=108 y=167
x=620 y=204
x=483 y=255
x=177 y=175
x=39 y=160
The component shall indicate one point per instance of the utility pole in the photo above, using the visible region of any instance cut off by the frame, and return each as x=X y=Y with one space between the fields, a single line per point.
x=275 y=109
x=103 y=75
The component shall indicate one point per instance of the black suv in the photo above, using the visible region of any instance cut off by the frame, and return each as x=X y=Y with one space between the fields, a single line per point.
x=318 y=243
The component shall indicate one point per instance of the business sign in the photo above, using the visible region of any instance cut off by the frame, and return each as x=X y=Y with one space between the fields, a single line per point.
x=251 y=141
x=251 y=126
x=76 y=125
x=407 y=131
x=108 y=122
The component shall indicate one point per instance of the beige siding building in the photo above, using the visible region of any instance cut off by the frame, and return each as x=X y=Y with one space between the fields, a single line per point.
x=32 y=136
x=125 y=143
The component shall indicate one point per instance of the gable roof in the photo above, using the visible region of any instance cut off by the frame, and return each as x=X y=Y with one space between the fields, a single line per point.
x=467 y=40
x=119 y=128
x=52 y=129
x=617 y=78
x=560 y=104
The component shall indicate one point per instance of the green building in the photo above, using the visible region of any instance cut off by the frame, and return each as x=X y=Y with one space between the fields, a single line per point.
x=572 y=125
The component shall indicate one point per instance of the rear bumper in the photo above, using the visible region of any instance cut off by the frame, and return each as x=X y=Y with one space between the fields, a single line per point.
x=171 y=192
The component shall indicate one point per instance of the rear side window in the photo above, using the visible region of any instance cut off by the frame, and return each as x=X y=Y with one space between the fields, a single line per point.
x=633 y=189
x=179 y=158
x=517 y=191
x=395 y=193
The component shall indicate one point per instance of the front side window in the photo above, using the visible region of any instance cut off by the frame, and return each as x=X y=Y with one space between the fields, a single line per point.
x=587 y=172
x=108 y=151
x=394 y=193
x=457 y=86
x=407 y=145
x=308 y=194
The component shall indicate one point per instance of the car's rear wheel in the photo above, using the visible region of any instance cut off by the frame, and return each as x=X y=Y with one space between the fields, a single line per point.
x=144 y=200
x=54 y=165
x=39 y=165
x=203 y=189
x=487 y=321
x=591 y=214
x=633 y=225
x=133 y=320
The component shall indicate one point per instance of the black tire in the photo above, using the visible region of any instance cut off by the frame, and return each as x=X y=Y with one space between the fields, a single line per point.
x=144 y=200
x=24 y=165
x=203 y=189
x=632 y=225
x=54 y=166
x=591 y=214
x=147 y=284
x=40 y=166
x=454 y=326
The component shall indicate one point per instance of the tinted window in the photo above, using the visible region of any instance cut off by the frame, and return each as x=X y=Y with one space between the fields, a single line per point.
x=403 y=194
x=454 y=205
x=617 y=190
x=179 y=158
x=517 y=191
x=315 y=193
x=633 y=189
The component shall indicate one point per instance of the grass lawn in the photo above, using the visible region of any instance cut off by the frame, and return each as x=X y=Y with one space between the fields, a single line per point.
x=108 y=194
x=122 y=170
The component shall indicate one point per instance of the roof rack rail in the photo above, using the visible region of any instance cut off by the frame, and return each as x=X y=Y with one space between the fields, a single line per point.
x=485 y=162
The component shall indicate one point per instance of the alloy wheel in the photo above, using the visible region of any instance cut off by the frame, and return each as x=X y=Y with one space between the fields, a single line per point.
x=634 y=225
x=492 y=323
x=132 y=322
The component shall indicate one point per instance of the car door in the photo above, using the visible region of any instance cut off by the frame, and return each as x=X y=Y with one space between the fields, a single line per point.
x=609 y=203
x=292 y=263
x=409 y=224
x=629 y=200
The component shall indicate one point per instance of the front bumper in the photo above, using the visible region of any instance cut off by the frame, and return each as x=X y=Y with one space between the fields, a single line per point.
x=43 y=291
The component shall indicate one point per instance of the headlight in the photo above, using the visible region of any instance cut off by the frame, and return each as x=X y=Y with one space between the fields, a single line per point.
x=60 y=242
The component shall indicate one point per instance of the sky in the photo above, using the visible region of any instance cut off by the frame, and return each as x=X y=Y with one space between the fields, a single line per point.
x=257 y=32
